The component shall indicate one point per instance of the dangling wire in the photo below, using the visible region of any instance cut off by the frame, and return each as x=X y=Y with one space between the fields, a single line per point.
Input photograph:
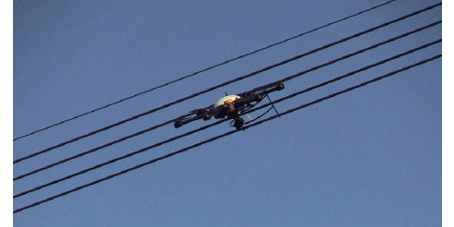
x=259 y=116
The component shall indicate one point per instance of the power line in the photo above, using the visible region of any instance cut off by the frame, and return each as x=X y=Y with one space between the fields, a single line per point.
x=282 y=80
x=93 y=150
x=356 y=52
x=224 y=84
x=221 y=121
x=203 y=70
x=225 y=134
x=350 y=74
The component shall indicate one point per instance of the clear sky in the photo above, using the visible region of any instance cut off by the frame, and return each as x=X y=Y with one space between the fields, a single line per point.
x=371 y=157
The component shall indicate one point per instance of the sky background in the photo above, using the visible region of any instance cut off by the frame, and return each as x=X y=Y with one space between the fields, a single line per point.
x=371 y=157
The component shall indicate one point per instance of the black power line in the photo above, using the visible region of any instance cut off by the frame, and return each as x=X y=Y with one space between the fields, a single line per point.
x=225 y=134
x=203 y=70
x=218 y=122
x=170 y=121
x=224 y=84
x=356 y=52
x=349 y=74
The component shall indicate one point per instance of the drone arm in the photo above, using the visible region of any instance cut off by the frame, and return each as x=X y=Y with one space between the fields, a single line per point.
x=206 y=115
x=276 y=88
x=257 y=97
x=181 y=122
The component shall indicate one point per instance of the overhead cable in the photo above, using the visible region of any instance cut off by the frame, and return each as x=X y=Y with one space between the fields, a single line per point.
x=354 y=53
x=220 y=121
x=224 y=135
x=172 y=120
x=204 y=70
x=224 y=84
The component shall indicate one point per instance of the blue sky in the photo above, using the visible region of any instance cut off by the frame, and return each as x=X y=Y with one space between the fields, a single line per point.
x=370 y=157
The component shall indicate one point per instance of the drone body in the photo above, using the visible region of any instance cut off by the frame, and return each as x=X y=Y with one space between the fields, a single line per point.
x=231 y=106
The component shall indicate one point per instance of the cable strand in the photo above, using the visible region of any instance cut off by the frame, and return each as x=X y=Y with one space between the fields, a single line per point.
x=225 y=134
x=203 y=70
x=225 y=83
x=218 y=122
x=282 y=80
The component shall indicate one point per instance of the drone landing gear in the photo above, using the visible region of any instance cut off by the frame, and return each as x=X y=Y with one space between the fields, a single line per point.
x=237 y=123
x=272 y=103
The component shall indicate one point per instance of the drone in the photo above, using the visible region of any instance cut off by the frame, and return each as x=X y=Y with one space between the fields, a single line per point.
x=232 y=106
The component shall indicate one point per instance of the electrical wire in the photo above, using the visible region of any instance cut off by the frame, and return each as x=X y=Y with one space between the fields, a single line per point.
x=221 y=121
x=170 y=121
x=354 y=53
x=350 y=74
x=93 y=150
x=225 y=83
x=204 y=70
x=225 y=134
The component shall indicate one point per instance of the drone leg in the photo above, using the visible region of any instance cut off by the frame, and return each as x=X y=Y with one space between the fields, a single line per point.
x=272 y=104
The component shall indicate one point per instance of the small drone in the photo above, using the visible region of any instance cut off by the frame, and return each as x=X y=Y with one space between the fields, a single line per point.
x=232 y=106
